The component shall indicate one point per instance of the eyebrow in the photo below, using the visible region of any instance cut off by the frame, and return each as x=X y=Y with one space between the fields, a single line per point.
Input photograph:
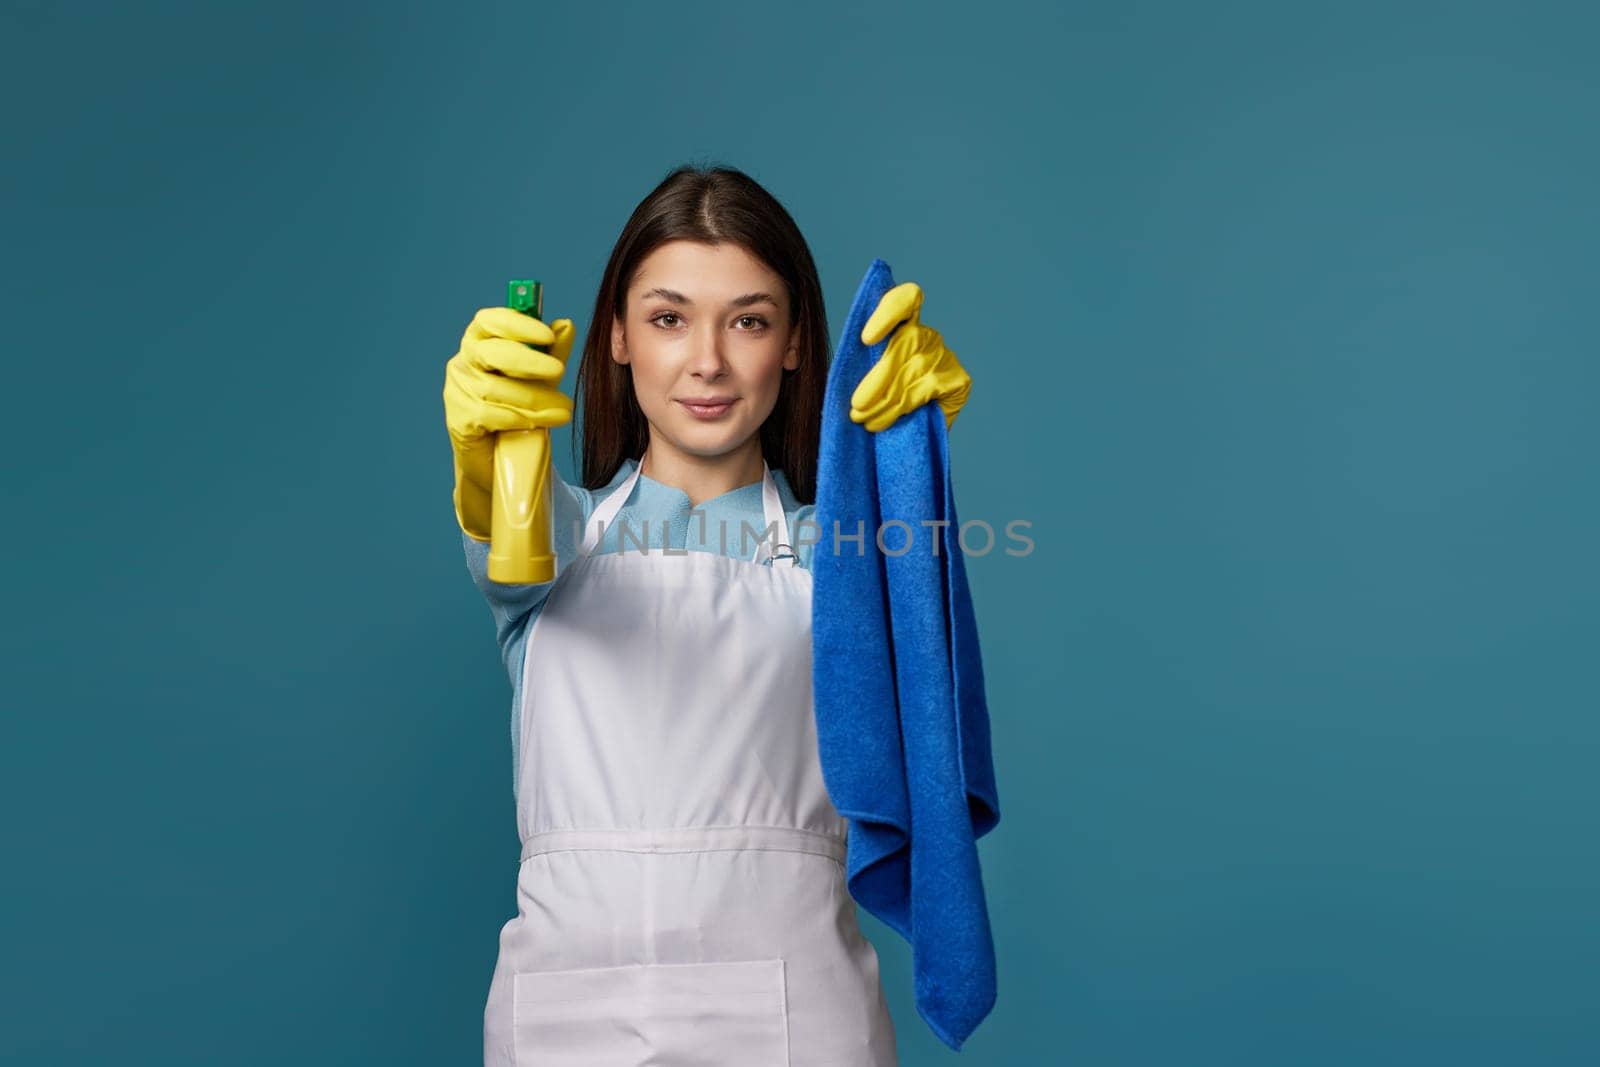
x=676 y=297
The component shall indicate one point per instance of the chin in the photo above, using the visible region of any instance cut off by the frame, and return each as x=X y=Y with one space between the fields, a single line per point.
x=709 y=441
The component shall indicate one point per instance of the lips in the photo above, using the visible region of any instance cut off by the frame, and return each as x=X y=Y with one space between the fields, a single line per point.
x=708 y=407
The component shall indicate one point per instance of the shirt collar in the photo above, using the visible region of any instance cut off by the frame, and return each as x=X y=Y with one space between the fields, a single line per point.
x=745 y=496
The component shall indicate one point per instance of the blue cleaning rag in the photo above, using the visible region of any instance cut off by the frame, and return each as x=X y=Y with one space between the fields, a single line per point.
x=902 y=724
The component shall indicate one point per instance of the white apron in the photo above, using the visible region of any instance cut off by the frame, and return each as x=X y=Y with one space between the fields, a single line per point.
x=681 y=898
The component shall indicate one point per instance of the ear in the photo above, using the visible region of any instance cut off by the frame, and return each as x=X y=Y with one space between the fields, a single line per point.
x=791 y=356
x=619 y=347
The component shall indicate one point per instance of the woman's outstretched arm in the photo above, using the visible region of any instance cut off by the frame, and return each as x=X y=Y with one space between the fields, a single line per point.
x=514 y=606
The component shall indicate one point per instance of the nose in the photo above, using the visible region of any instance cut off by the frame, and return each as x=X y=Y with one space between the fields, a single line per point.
x=708 y=362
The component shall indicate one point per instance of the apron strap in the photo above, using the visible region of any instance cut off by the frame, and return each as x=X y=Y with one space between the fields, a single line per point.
x=772 y=505
x=602 y=516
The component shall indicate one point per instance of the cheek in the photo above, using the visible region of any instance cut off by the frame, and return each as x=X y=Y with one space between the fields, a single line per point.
x=766 y=383
x=650 y=368
x=772 y=366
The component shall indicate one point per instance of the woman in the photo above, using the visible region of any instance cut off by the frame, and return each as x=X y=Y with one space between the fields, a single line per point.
x=681 y=895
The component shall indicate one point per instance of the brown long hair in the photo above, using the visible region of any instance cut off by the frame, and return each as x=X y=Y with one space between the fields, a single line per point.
x=711 y=205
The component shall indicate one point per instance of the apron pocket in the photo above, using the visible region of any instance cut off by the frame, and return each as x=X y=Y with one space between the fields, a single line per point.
x=685 y=1014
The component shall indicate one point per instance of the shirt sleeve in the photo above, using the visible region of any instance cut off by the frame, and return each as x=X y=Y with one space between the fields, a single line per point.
x=515 y=605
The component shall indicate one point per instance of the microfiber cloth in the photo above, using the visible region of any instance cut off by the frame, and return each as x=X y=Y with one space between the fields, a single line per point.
x=902 y=723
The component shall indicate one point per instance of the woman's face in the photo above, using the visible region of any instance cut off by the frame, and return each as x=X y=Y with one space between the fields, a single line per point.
x=705 y=323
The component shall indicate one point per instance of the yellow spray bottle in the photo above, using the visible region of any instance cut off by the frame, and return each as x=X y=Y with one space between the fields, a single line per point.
x=520 y=517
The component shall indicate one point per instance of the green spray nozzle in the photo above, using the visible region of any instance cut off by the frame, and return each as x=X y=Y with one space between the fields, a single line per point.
x=527 y=296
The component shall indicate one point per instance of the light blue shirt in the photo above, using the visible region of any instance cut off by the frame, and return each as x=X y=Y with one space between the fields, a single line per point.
x=652 y=510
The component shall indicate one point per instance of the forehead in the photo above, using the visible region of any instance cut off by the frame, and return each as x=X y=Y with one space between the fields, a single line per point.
x=705 y=272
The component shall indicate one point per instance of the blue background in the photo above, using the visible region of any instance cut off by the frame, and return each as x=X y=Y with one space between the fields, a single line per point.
x=1281 y=321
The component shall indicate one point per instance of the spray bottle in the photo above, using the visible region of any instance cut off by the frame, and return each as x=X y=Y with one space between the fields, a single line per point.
x=520 y=520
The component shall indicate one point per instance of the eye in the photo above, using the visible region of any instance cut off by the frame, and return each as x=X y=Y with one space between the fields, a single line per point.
x=665 y=315
x=760 y=322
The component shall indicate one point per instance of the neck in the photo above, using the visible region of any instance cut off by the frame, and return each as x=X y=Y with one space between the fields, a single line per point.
x=702 y=477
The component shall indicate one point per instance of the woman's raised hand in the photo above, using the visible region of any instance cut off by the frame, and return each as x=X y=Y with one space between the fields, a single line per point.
x=498 y=382
x=914 y=369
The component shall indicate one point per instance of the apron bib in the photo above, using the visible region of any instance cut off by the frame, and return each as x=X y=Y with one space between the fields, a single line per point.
x=681 y=898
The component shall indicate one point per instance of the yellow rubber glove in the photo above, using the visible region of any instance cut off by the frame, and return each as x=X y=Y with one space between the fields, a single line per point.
x=497 y=382
x=914 y=369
